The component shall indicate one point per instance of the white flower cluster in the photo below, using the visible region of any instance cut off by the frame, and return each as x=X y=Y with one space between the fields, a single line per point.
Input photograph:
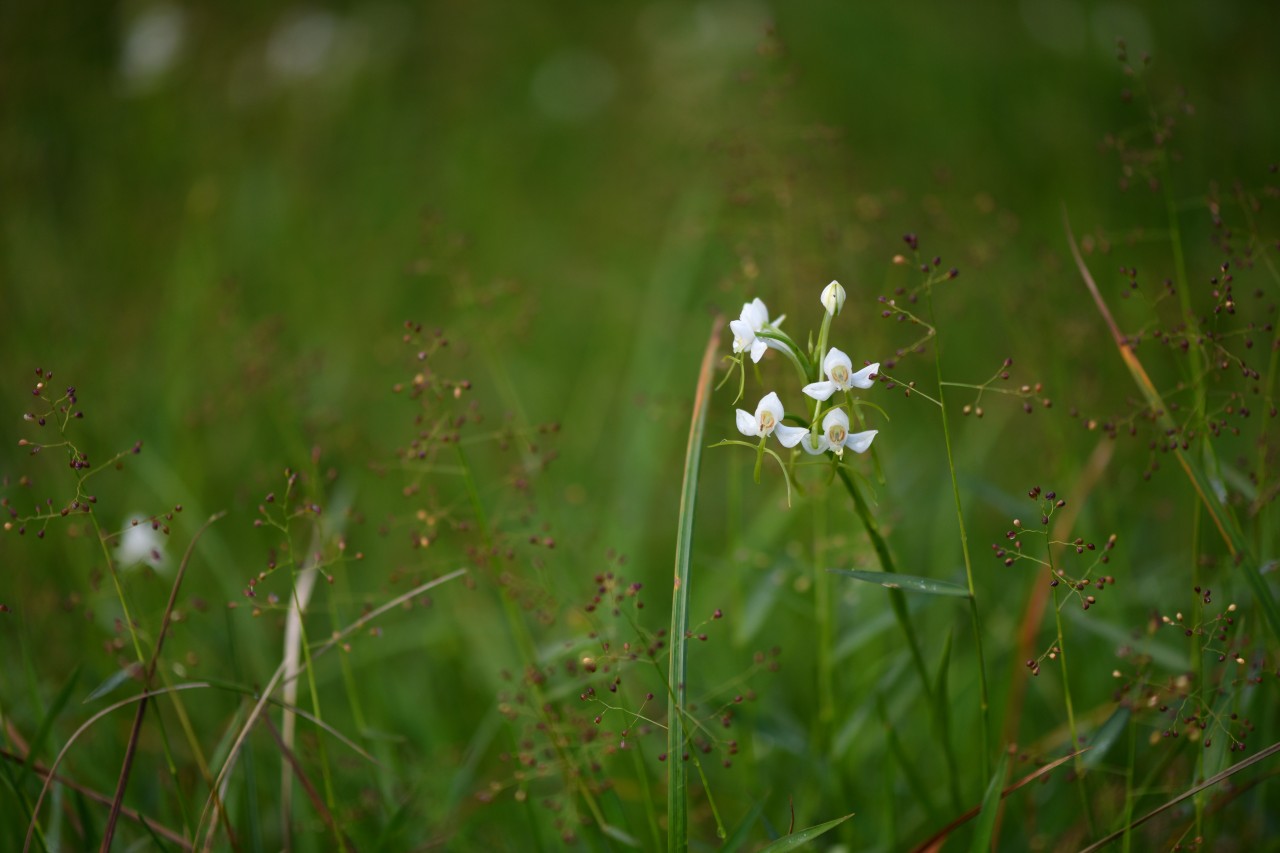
x=753 y=332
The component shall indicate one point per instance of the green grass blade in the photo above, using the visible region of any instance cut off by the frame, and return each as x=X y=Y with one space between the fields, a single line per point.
x=909 y=582
x=1219 y=513
x=897 y=600
x=742 y=834
x=935 y=841
x=677 y=770
x=46 y=726
x=1187 y=794
x=120 y=676
x=796 y=840
x=942 y=719
x=914 y=780
x=990 y=808
x=1107 y=736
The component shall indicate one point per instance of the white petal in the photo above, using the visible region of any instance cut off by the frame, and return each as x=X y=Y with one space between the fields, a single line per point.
x=834 y=357
x=820 y=390
x=790 y=435
x=747 y=425
x=771 y=404
x=778 y=322
x=835 y=416
x=813 y=445
x=755 y=314
x=860 y=441
x=862 y=379
x=758 y=346
x=743 y=334
x=833 y=297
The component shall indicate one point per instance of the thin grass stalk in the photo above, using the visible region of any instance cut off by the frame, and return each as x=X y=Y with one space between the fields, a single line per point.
x=293 y=638
x=523 y=640
x=1261 y=508
x=677 y=771
x=1190 y=792
x=84 y=727
x=1038 y=597
x=1198 y=389
x=1126 y=844
x=935 y=841
x=1220 y=514
x=296 y=648
x=1071 y=715
x=90 y=794
x=108 y=834
x=193 y=742
x=264 y=696
x=984 y=703
x=317 y=803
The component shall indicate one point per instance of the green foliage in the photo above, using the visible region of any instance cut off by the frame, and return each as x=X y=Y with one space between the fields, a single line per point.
x=435 y=612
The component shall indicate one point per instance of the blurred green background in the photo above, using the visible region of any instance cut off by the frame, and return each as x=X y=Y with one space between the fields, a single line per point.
x=216 y=218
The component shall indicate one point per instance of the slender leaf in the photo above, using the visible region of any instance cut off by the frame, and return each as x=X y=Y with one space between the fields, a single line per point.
x=990 y=808
x=935 y=841
x=1219 y=513
x=742 y=834
x=677 y=770
x=46 y=725
x=1187 y=794
x=1106 y=736
x=120 y=676
x=620 y=836
x=907 y=582
x=917 y=784
x=798 y=839
x=942 y=719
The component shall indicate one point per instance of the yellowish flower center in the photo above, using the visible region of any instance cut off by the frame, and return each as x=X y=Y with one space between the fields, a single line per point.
x=840 y=375
x=766 y=421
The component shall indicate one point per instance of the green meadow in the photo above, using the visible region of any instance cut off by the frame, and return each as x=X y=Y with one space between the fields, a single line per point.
x=388 y=461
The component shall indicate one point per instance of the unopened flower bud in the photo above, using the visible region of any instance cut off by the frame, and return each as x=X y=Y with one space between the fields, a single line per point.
x=833 y=297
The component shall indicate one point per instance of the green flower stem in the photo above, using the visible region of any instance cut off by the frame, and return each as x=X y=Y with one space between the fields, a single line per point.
x=819 y=354
x=822 y=580
x=792 y=351
x=898 y=601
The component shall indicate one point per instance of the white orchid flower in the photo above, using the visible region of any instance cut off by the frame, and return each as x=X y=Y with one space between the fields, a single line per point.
x=840 y=376
x=833 y=297
x=754 y=318
x=141 y=542
x=836 y=436
x=767 y=420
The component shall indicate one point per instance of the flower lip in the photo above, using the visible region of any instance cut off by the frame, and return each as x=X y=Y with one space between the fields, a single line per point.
x=836 y=436
x=767 y=420
x=815 y=445
x=840 y=376
x=768 y=415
